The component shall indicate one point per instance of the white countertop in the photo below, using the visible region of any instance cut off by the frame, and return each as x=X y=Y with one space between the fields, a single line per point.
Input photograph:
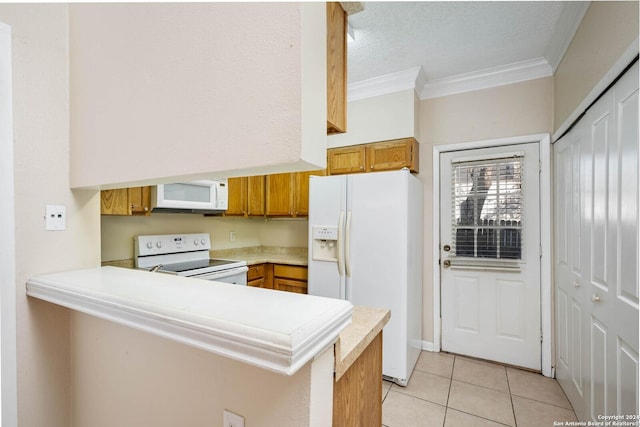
x=279 y=331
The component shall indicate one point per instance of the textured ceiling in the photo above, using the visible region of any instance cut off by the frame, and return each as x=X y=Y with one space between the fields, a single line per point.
x=451 y=38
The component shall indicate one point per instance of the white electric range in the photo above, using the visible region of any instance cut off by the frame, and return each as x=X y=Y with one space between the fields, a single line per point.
x=187 y=255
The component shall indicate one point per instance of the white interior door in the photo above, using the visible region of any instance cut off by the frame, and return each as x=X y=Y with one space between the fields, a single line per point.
x=490 y=253
x=596 y=262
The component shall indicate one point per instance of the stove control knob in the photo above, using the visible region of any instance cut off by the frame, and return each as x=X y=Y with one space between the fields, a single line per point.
x=149 y=245
x=195 y=242
x=158 y=244
x=202 y=242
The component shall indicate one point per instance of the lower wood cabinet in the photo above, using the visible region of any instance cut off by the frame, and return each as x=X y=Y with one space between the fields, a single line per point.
x=255 y=276
x=357 y=395
x=281 y=277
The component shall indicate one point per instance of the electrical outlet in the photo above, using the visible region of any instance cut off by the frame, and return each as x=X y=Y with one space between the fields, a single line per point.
x=232 y=236
x=229 y=419
x=55 y=218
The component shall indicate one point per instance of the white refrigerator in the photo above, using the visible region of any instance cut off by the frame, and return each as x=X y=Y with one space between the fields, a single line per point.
x=365 y=245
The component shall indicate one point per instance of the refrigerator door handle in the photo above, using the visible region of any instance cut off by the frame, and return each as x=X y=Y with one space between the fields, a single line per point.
x=347 y=249
x=341 y=244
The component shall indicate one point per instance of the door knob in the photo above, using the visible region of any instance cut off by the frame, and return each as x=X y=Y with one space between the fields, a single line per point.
x=446 y=263
x=446 y=248
x=595 y=298
x=576 y=284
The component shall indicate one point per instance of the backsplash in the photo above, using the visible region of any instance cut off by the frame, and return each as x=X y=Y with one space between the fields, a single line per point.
x=117 y=233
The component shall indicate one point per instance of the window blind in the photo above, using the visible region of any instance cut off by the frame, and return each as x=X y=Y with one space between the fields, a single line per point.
x=487 y=208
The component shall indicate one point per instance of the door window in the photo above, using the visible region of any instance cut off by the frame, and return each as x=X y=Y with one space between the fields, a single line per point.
x=487 y=210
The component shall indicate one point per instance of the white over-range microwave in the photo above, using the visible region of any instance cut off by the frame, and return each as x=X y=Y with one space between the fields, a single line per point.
x=208 y=196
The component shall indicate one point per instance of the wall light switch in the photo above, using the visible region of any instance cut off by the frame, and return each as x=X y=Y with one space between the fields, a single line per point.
x=229 y=419
x=55 y=218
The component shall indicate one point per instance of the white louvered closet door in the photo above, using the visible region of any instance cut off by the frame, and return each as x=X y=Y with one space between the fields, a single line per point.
x=596 y=256
x=490 y=254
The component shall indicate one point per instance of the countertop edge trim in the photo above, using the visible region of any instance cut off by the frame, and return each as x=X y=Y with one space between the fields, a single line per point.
x=276 y=359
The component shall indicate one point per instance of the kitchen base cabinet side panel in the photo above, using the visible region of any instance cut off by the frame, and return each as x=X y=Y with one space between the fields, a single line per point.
x=357 y=396
x=268 y=276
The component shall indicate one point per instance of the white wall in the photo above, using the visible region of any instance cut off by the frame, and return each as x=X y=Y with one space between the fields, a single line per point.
x=380 y=118
x=41 y=176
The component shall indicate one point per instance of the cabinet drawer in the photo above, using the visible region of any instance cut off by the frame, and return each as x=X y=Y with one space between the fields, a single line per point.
x=290 y=271
x=255 y=272
x=258 y=283
x=288 y=285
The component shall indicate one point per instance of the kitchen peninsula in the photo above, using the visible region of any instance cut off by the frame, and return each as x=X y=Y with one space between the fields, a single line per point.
x=278 y=331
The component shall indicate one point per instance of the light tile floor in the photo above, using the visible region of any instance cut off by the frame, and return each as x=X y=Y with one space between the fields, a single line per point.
x=454 y=391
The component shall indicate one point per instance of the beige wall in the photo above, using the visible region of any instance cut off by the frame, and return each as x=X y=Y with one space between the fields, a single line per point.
x=79 y=370
x=214 y=89
x=41 y=174
x=606 y=31
x=118 y=232
x=124 y=377
x=518 y=109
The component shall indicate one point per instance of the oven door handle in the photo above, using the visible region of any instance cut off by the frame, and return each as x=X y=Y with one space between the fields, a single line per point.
x=222 y=274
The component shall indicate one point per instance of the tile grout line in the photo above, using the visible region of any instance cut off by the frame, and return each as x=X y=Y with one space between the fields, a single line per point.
x=446 y=411
x=513 y=408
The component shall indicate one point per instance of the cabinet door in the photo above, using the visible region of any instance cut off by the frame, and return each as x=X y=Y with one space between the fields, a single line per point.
x=237 y=191
x=393 y=155
x=114 y=202
x=302 y=191
x=297 y=286
x=255 y=272
x=336 y=69
x=256 y=195
x=280 y=189
x=290 y=271
x=346 y=160
x=140 y=200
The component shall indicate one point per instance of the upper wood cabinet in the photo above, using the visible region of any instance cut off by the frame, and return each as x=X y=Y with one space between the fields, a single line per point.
x=336 y=69
x=393 y=155
x=279 y=194
x=287 y=194
x=246 y=196
x=379 y=156
x=346 y=160
x=126 y=201
x=301 y=201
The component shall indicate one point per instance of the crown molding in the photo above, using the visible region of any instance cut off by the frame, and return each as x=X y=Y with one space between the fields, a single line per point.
x=385 y=84
x=414 y=78
x=566 y=27
x=487 y=78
